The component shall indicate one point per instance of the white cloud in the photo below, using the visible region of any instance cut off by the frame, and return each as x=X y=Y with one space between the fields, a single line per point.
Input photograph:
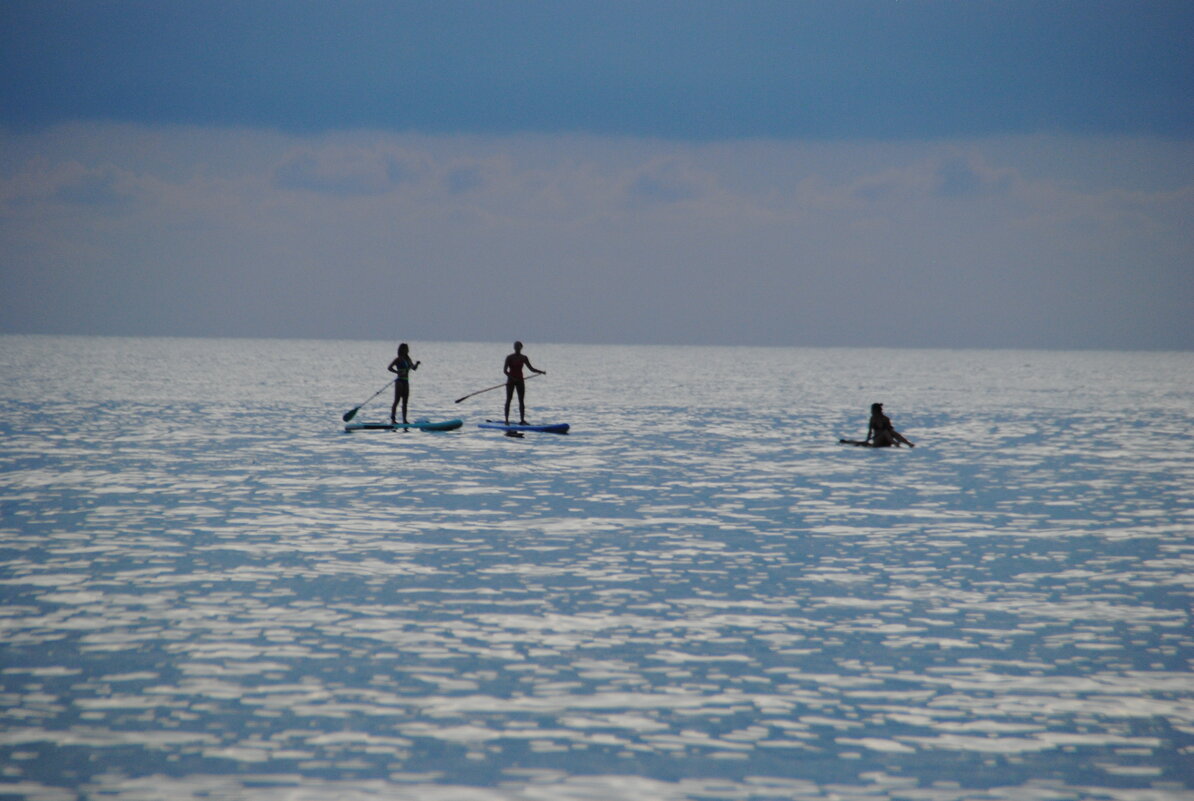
x=345 y=171
x=993 y=242
x=69 y=183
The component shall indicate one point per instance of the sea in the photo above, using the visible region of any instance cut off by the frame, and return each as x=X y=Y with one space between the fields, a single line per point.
x=210 y=590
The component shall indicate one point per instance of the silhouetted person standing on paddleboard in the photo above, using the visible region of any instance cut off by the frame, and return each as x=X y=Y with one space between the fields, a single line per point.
x=515 y=381
x=880 y=433
x=402 y=365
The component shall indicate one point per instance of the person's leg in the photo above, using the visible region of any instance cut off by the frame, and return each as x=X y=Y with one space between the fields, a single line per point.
x=394 y=405
x=509 y=395
x=522 y=408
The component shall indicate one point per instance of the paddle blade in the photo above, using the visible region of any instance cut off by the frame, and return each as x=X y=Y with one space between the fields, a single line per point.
x=351 y=413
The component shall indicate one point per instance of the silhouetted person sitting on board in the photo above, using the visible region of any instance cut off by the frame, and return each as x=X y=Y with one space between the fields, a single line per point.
x=402 y=365
x=515 y=381
x=879 y=431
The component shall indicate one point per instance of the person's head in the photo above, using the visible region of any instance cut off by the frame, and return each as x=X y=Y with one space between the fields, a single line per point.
x=518 y=347
x=876 y=408
x=403 y=349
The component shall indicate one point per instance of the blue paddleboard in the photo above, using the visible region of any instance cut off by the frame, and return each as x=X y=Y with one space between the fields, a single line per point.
x=424 y=425
x=550 y=428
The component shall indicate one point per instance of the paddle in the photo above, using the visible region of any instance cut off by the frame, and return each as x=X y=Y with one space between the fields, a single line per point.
x=487 y=389
x=351 y=413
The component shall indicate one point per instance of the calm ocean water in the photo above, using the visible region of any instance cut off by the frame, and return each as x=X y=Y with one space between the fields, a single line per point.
x=209 y=591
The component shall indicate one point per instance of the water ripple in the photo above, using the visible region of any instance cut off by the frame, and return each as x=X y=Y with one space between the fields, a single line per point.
x=209 y=590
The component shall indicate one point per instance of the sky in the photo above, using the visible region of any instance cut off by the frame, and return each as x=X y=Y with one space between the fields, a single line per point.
x=866 y=173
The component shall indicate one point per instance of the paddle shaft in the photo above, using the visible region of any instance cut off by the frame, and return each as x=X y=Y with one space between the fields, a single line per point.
x=351 y=413
x=488 y=389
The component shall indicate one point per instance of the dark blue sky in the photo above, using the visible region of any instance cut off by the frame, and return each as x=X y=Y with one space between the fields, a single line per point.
x=687 y=69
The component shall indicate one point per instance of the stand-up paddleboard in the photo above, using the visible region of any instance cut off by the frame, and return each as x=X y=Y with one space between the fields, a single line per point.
x=422 y=425
x=864 y=444
x=550 y=428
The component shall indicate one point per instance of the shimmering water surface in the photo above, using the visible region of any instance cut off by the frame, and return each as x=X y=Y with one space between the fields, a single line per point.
x=209 y=591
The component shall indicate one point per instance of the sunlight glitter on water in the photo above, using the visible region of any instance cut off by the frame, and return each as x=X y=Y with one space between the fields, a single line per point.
x=209 y=588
